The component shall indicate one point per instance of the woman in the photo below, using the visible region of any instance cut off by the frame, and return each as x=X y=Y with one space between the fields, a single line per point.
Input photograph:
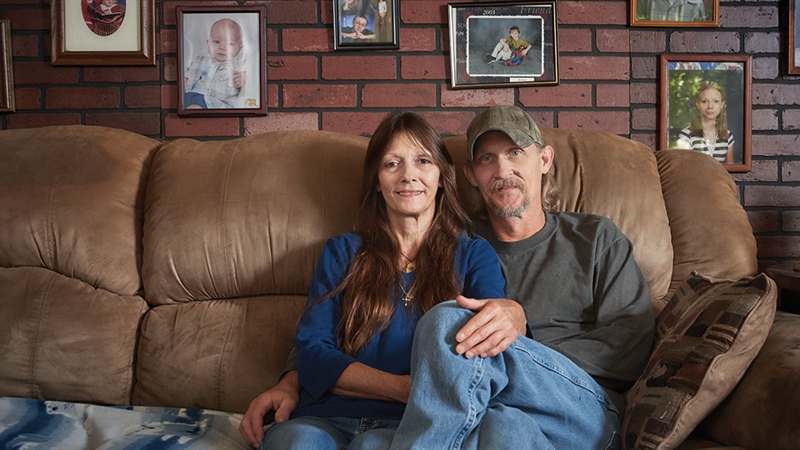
x=371 y=287
x=708 y=133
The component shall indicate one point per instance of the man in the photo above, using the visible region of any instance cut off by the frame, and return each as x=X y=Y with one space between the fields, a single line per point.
x=672 y=10
x=545 y=370
x=510 y=47
x=359 y=30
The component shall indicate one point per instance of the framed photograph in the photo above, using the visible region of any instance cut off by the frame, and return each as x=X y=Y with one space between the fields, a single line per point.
x=674 y=13
x=6 y=71
x=794 y=39
x=705 y=106
x=503 y=44
x=222 y=60
x=103 y=32
x=365 y=24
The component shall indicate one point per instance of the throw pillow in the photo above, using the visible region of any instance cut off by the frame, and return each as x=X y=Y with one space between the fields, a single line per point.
x=706 y=337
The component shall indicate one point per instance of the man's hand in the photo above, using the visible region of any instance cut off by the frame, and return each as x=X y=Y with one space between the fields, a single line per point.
x=282 y=398
x=496 y=325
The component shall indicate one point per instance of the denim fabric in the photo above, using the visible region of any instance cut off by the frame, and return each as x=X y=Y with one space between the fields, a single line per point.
x=529 y=396
x=329 y=433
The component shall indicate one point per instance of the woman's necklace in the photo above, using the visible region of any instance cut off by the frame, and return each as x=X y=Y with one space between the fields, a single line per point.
x=410 y=266
x=408 y=296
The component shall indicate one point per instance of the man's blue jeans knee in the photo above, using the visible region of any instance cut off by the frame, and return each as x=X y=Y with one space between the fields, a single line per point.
x=529 y=396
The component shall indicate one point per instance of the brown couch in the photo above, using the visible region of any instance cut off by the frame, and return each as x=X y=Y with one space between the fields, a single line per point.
x=139 y=272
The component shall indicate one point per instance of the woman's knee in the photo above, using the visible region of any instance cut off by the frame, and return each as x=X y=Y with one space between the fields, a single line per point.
x=443 y=319
x=302 y=433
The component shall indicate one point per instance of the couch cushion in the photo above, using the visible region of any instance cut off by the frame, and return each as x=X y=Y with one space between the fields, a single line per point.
x=706 y=337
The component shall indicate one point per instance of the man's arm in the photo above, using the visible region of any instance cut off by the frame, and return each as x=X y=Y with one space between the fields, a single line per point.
x=282 y=399
x=497 y=323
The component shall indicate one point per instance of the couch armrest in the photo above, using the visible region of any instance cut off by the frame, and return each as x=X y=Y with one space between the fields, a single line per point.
x=761 y=411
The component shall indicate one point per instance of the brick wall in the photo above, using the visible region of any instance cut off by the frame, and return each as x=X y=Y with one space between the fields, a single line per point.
x=608 y=75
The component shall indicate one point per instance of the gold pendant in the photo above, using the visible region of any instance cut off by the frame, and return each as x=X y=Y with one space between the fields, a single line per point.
x=410 y=267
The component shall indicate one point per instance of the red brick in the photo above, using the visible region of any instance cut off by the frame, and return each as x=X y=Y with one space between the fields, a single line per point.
x=272 y=41
x=790 y=222
x=41 y=120
x=24 y=46
x=575 y=40
x=592 y=13
x=20 y=2
x=272 y=95
x=423 y=11
x=648 y=41
x=176 y=126
x=473 y=98
x=168 y=41
x=362 y=123
x=120 y=74
x=82 y=98
x=644 y=67
x=424 y=68
x=748 y=16
x=568 y=95
x=449 y=123
x=704 y=42
x=418 y=39
x=613 y=41
x=613 y=95
x=762 y=42
x=292 y=11
x=786 y=196
x=763 y=221
x=765 y=68
x=292 y=68
x=776 y=145
x=27 y=98
x=644 y=119
x=142 y=123
x=307 y=39
x=319 y=96
x=594 y=68
x=169 y=96
x=28 y=18
x=766 y=119
x=142 y=96
x=778 y=246
x=644 y=93
x=790 y=171
x=43 y=73
x=760 y=170
x=359 y=67
x=169 y=14
x=617 y=122
x=776 y=94
x=398 y=95
x=170 y=68
x=648 y=139
x=281 y=121
x=327 y=11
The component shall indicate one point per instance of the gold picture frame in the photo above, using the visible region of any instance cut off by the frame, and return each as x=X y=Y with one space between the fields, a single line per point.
x=678 y=13
x=103 y=33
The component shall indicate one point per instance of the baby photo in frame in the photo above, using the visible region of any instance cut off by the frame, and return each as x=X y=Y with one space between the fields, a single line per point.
x=365 y=24
x=705 y=106
x=503 y=44
x=221 y=60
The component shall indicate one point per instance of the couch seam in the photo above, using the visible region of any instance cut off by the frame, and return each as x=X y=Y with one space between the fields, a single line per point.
x=220 y=365
x=42 y=298
x=223 y=222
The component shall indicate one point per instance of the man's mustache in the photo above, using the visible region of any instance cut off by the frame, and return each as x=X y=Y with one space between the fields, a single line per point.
x=504 y=183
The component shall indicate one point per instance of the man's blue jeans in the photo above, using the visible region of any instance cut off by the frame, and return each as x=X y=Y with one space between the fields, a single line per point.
x=329 y=433
x=529 y=396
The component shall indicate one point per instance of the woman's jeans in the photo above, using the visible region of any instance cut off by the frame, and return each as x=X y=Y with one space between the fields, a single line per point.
x=329 y=433
x=529 y=396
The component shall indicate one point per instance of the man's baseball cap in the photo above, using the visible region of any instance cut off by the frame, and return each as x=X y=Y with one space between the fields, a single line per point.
x=511 y=120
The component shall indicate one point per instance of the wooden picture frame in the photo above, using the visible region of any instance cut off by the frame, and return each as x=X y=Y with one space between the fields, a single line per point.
x=6 y=69
x=706 y=89
x=794 y=39
x=103 y=33
x=222 y=56
x=365 y=24
x=480 y=58
x=678 y=13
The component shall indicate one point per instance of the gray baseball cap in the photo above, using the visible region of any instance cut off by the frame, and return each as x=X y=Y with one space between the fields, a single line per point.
x=511 y=120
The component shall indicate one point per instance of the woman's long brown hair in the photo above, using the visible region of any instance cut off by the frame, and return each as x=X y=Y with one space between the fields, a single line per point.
x=369 y=289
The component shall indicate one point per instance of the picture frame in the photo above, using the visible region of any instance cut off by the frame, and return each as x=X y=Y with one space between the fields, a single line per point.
x=674 y=13
x=103 y=33
x=6 y=70
x=365 y=25
x=794 y=39
x=698 y=91
x=480 y=58
x=222 y=56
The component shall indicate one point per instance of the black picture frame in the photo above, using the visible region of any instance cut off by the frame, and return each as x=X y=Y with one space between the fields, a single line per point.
x=478 y=57
x=365 y=25
x=219 y=94
x=683 y=78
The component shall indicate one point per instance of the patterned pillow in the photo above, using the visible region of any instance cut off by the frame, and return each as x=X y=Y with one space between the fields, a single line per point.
x=706 y=337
